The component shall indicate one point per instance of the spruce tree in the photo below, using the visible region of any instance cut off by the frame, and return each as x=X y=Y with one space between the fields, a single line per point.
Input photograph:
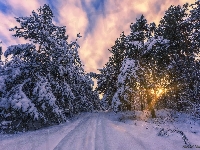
x=45 y=80
x=174 y=28
x=107 y=79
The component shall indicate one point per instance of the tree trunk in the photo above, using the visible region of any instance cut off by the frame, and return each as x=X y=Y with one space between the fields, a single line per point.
x=153 y=113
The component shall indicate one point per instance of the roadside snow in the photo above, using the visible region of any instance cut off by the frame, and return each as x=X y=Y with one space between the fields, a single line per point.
x=107 y=130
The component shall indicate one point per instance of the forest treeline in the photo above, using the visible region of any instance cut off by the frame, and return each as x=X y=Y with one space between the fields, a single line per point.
x=154 y=67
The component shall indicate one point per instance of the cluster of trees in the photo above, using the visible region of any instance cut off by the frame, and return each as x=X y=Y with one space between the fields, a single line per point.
x=155 y=66
x=43 y=82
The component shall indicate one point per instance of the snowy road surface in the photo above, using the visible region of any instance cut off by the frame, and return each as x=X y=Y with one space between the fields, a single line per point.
x=96 y=131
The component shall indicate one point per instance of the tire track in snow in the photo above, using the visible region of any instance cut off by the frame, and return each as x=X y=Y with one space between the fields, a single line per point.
x=97 y=132
x=90 y=136
x=74 y=139
x=53 y=136
x=100 y=142
x=40 y=139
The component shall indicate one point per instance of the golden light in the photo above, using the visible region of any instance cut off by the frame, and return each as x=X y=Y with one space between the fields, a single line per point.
x=158 y=92
x=137 y=85
x=152 y=91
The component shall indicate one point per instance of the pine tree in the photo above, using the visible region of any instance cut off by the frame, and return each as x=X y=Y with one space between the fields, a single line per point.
x=191 y=74
x=2 y=84
x=157 y=64
x=107 y=79
x=135 y=41
x=136 y=50
x=127 y=85
x=47 y=74
x=156 y=77
x=194 y=20
x=174 y=28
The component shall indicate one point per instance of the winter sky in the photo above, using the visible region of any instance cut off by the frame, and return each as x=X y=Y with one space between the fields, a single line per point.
x=100 y=22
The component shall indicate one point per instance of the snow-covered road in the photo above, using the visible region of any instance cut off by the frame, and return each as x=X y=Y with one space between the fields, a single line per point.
x=94 y=131
x=97 y=132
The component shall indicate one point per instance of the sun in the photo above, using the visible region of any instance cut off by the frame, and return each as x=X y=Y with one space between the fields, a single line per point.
x=158 y=92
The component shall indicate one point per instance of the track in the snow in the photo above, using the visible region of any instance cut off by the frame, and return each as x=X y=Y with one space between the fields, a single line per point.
x=97 y=132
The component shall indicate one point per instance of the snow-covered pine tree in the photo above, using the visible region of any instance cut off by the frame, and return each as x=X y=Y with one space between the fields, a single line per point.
x=174 y=28
x=15 y=106
x=125 y=96
x=190 y=96
x=129 y=49
x=107 y=79
x=194 y=20
x=20 y=100
x=2 y=85
x=166 y=65
x=136 y=39
x=135 y=49
x=156 y=73
x=62 y=57
x=47 y=74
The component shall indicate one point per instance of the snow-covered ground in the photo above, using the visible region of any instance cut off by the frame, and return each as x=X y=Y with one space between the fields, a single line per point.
x=110 y=131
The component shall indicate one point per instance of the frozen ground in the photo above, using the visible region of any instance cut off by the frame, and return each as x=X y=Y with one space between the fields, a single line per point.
x=110 y=131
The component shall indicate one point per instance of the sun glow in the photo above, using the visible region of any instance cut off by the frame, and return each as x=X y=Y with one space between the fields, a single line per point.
x=158 y=92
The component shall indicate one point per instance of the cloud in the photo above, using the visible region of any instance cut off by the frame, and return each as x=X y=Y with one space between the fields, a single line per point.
x=24 y=6
x=115 y=18
x=72 y=15
x=100 y=22
x=6 y=36
x=15 y=8
x=92 y=50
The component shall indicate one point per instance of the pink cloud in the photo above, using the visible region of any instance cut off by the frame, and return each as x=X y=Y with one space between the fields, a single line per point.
x=18 y=8
x=25 y=6
x=118 y=16
x=72 y=15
